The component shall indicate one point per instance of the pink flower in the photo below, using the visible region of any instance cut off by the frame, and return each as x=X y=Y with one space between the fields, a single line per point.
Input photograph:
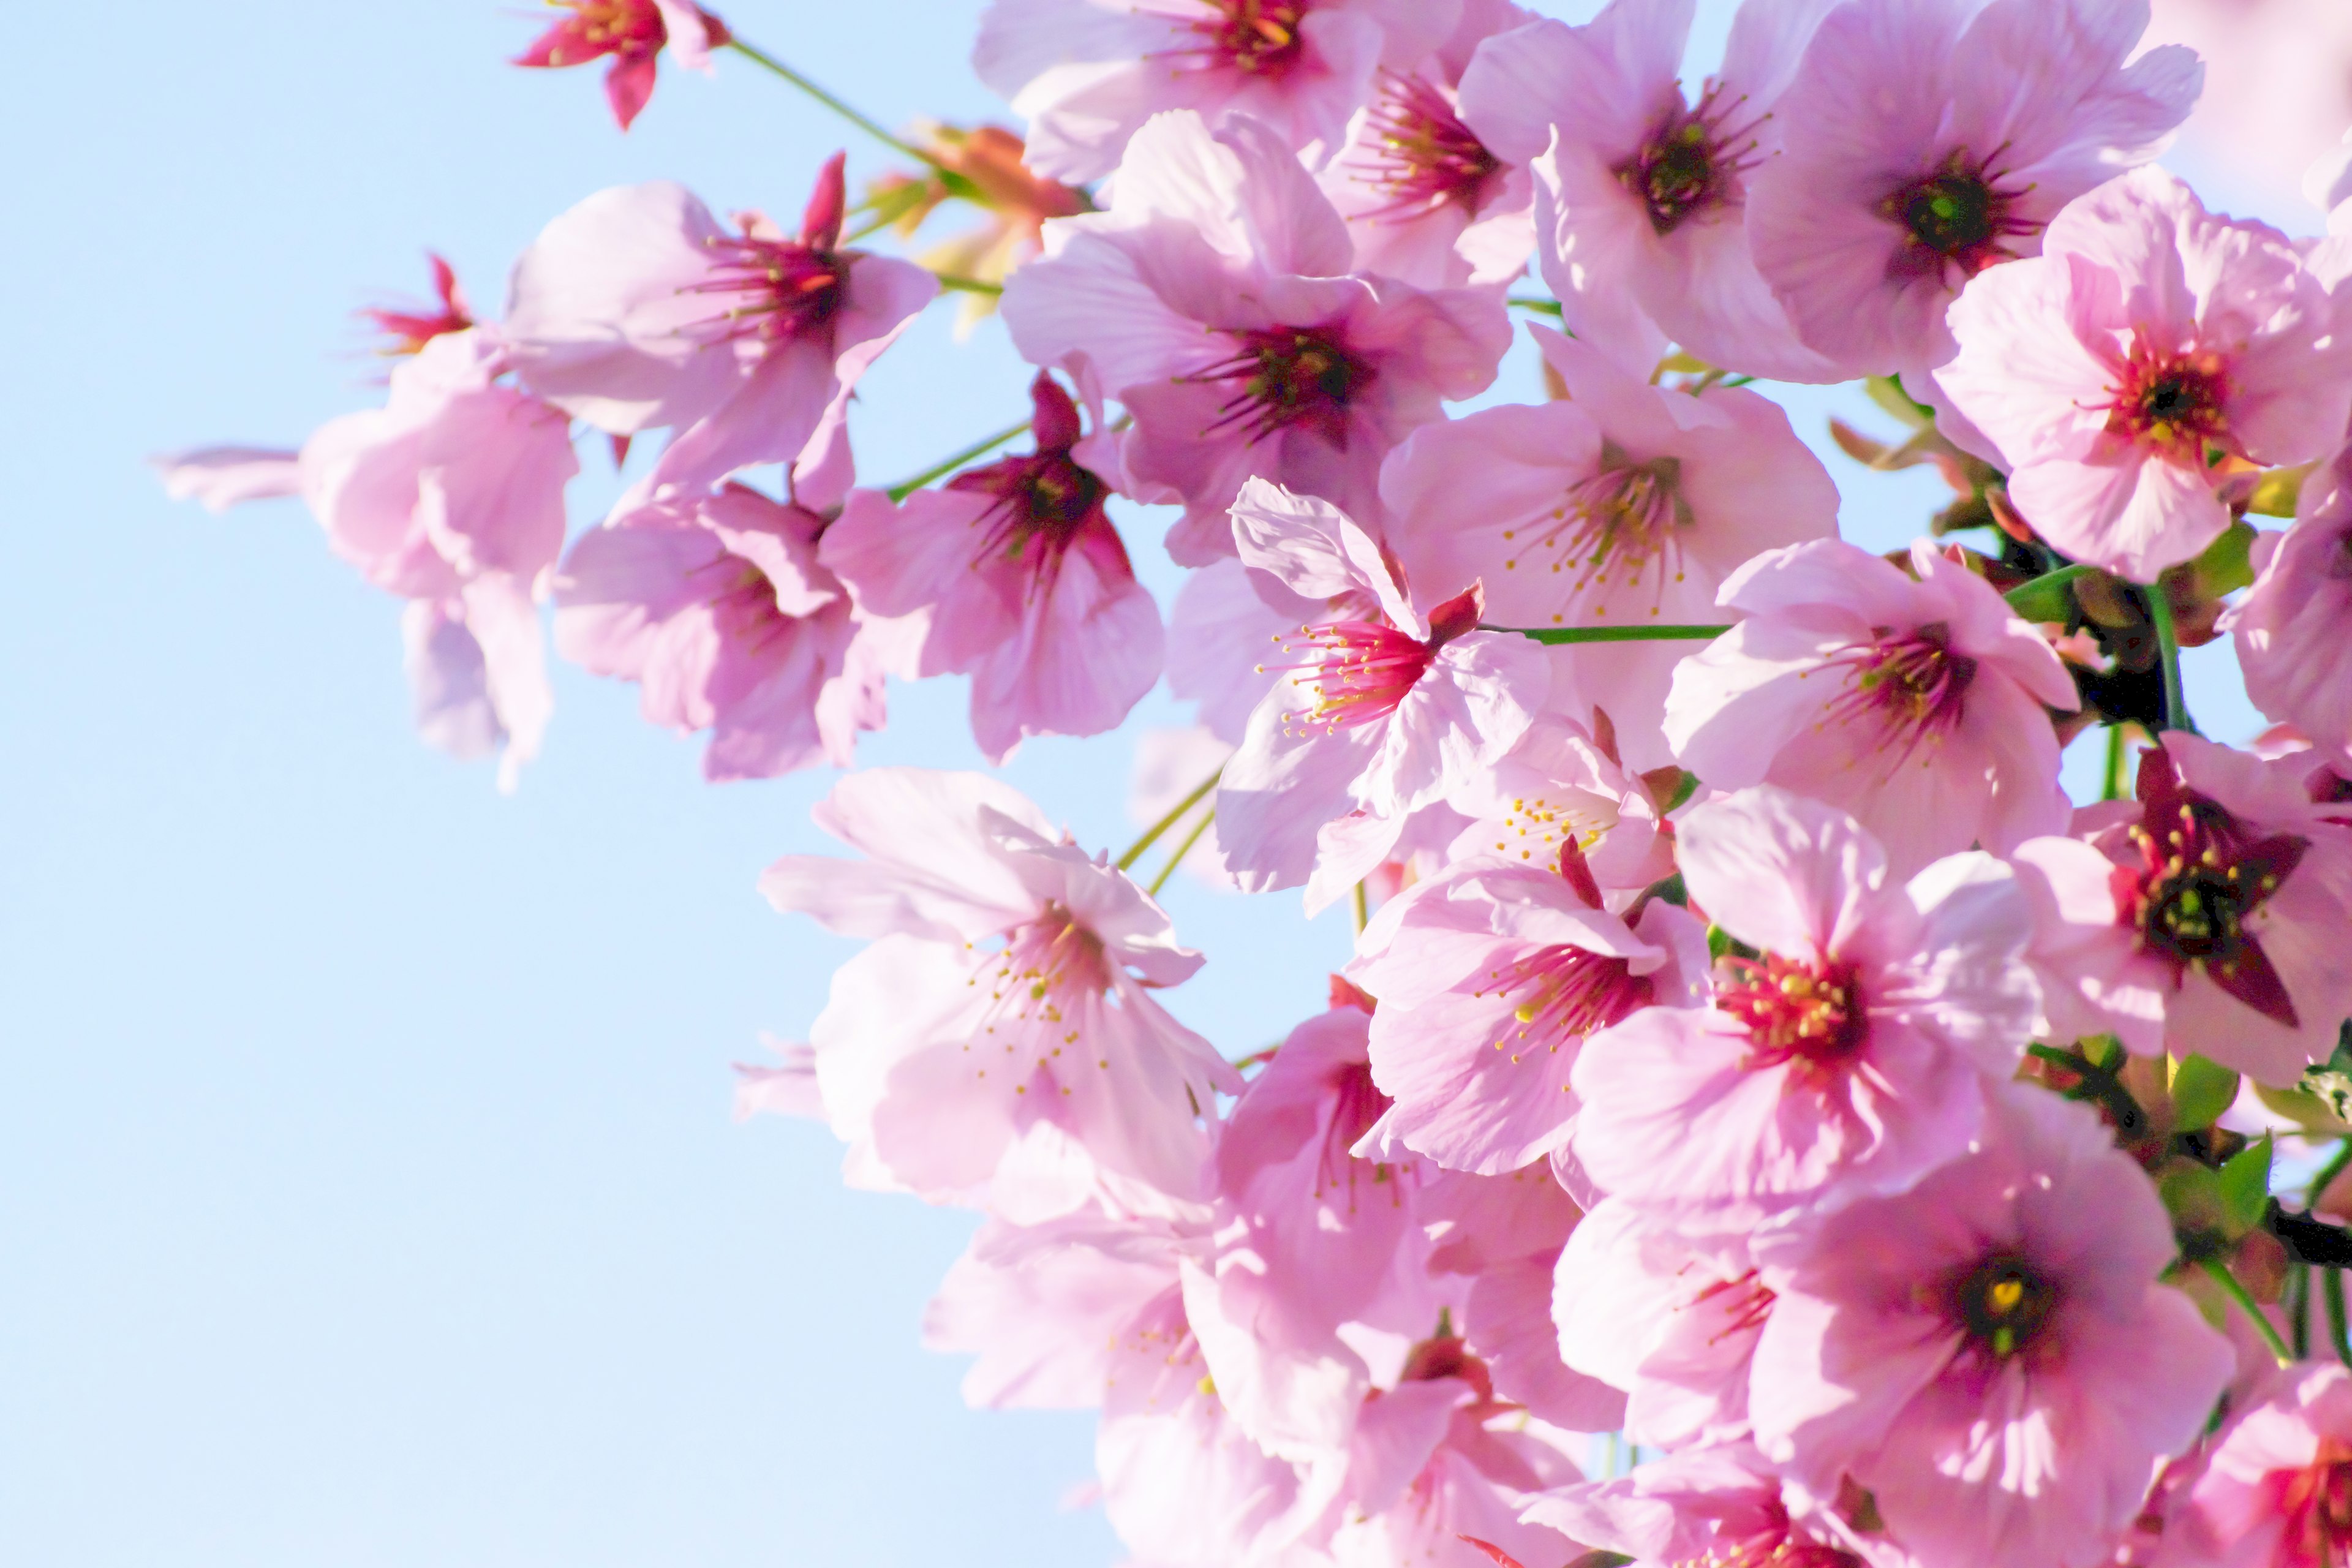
x=1212 y=301
x=1937 y=138
x=717 y=607
x=1991 y=1354
x=1848 y=1058
x=1007 y=987
x=2277 y=1491
x=1724 y=1506
x=2147 y=342
x=2211 y=921
x=1641 y=193
x=1022 y=581
x=1918 y=706
x=408 y=330
x=1558 y=786
x=2289 y=628
x=634 y=32
x=1491 y=978
x=1390 y=713
x=1427 y=201
x=635 y=310
x=1089 y=73
x=1622 y=504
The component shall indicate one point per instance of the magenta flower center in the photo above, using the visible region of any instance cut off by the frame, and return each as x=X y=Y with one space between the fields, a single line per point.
x=1795 y=1011
x=2173 y=403
x=632 y=29
x=2003 y=1304
x=1691 y=162
x=2201 y=876
x=775 y=290
x=1422 y=153
x=1044 y=503
x=1957 y=215
x=1563 y=995
x=1357 y=1104
x=1358 y=670
x=2316 y=1505
x=1287 y=376
x=1911 y=684
x=1257 y=37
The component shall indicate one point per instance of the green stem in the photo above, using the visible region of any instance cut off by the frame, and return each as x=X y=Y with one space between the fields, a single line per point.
x=901 y=490
x=2044 y=598
x=955 y=182
x=1554 y=636
x=1151 y=835
x=2298 y=1316
x=961 y=285
x=1541 y=307
x=1183 y=849
x=2167 y=641
x=2111 y=786
x=1362 y=909
x=2331 y=1290
x=2221 y=1275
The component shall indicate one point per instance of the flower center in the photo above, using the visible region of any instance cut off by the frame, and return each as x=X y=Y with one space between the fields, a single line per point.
x=630 y=29
x=1422 y=153
x=2003 y=1304
x=1285 y=376
x=1691 y=162
x=2201 y=875
x=1912 y=685
x=1356 y=1103
x=2317 y=1503
x=2173 y=403
x=1046 y=499
x=1258 y=37
x=1622 y=517
x=1958 y=215
x=1358 y=671
x=1793 y=1011
x=1564 y=994
x=775 y=290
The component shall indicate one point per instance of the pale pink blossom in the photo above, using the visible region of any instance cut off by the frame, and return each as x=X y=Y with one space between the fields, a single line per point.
x=1560 y=785
x=1492 y=977
x=1087 y=74
x=1991 y=1354
x=2289 y=628
x=634 y=33
x=1848 y=1058
x=2276 y=1491
x=1021 y=581
x=1212 y=300
x=1389 y=714
x=1725 y=1505
x=2208 y=919
x=1918 y=701
x=635 y=310
x=1641 y=193
x=1934 y=140
x=1007 y=987
x=2147 y=340
x=1620 y=505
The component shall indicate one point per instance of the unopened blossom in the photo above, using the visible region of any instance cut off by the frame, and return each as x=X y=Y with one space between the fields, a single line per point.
x=1641 y=189
x=1087 y=74
x=2276 y=1491
x=1848 y=1057
x=635 y=310
x=717 y=607
x=1620 y=505
x=2289 y=628
x=1212 y=301
x=1992 y=1355
x=1934 y=140
x=1020 y=579
x=1917 y=702
x=1725 y=1505
x=1492 y=977
x=1388 y=713
x=633 y=33
x=1427 y=201
x=1014 y=202
x=2149 y=341
x=1008 y=985
x=2210 y=921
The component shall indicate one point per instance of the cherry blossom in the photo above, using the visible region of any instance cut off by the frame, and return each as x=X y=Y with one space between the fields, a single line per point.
x=634 y=33
x=2277 y=1490
x=2288 y=628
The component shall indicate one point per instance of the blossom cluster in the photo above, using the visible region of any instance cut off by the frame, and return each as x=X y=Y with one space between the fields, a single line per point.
x=1749 y=1052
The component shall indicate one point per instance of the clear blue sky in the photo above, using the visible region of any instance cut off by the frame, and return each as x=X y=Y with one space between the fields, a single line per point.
x=367 y=1190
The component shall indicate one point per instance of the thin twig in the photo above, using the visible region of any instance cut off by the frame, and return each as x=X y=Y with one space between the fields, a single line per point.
x=1151 y=835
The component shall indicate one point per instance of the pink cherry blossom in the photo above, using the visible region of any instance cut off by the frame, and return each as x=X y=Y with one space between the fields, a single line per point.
x=1991 y=1354
x=2277 y=1490
x=1725 y=1505
x=634 y=33
x=1491 y=979
x=2147 y=340
x=717 y=607
x=1915 y=702
x=1212 y=300
x=2289 y=628
x=636 y=310
x=2210 y=920
x=1558 y=786
x=1848 y=1058
x=1622 y=504
x=1088 y=73
x=1641 y=193
x=1389 y=714
x=1937 y=138
x=1022 y=581
x=1007 y=985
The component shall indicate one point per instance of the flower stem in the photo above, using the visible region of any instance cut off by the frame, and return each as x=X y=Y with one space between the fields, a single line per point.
x=1152 y=833
x=1361 y=908
x=962 y=285
x=1541 y=307
x=2167 y=642
x=2111 y=785
x=906 y=487
x=2221 y=1275
x=2044 y=598
x=955 y=182
x=1183 y=849
x=1554 y=636
x=2331 y=1287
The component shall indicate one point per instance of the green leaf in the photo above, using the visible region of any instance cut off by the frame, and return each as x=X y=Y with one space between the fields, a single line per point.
x=2245 y=1187
x=2275 y=492
x=2049 y=597
x=2227 y=564
x=2200 y=1213
x=2201 y=1090
x=1888 y=393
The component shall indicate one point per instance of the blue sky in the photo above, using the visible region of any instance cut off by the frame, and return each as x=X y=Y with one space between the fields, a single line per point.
x=367 y=1192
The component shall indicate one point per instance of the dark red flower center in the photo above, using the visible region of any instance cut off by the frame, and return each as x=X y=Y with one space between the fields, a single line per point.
x=1909 y=684
x=1691 y=162
x=2173 y=403
x=2003 y=1304
x=1286 y=376
x=1795 y=1011
x=1959 y=214
x=1420 y=153
x=1258 y=37
x=775 y=289
x=2315 y=1503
